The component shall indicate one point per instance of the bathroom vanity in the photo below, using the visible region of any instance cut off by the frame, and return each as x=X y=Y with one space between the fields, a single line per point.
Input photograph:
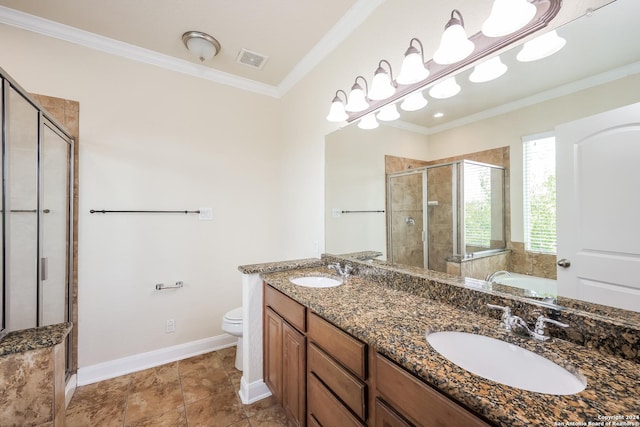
x=357 y=354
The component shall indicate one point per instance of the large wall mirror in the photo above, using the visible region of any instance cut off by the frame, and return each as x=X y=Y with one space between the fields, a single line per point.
x=598 y=70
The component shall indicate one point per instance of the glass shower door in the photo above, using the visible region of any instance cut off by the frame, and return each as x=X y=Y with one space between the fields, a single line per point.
x=20 y=212
x=406 y=219
x=441 y=213
x=55 y=169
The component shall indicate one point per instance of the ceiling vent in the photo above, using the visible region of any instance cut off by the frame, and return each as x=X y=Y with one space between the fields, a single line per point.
x=252 y=59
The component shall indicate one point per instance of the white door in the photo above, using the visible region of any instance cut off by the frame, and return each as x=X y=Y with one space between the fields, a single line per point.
x=598 y=208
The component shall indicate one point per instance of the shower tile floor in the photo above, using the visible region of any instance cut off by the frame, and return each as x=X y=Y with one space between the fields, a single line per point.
x=199 y=391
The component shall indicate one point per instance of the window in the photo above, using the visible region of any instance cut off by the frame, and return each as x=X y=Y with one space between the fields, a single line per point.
x=540 y=193
x=477 y=205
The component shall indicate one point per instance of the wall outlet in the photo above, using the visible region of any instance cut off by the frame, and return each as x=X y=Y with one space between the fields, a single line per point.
x=170 y=326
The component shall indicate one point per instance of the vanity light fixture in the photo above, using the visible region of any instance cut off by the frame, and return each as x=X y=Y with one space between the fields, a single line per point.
x=445 y=89
x=201 y=45
x=488 y=70
x=455 y=45
x=337 y=112
x=382 y=86
x=357 y=101
x=541 y=47
x=508 y=16
x=388 y=113
x=456 y=53
x=413 y=69
x=414 y=102
x=368 y=122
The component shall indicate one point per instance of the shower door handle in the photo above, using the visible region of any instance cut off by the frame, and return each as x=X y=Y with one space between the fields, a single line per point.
x=564 y=263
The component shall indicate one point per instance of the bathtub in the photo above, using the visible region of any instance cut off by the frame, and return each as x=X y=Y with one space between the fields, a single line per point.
x=535 y=286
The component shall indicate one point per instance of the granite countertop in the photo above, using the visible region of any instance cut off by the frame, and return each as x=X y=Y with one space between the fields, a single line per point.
x=34 y=338
x=279 y=265
x=395 y=323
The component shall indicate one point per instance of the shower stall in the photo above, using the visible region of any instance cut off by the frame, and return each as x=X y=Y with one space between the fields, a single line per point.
x=445 y=210
x=36 y=198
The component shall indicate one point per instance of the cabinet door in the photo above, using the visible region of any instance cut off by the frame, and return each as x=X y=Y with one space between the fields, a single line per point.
x=273 y=352
x=294 y=357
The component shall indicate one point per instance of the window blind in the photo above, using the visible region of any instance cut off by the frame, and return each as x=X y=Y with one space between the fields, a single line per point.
x=477 y=205
x=540 y=194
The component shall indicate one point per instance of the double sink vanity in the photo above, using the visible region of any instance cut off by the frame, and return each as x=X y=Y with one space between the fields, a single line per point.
x=388 y=347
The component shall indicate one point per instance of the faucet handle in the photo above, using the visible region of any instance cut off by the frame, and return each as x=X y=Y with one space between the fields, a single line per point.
x=541 y=323
x=505 y=309
x=506 y=315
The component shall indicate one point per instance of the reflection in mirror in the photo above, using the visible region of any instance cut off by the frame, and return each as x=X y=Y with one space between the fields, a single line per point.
x=445 y=212
x=586 y=77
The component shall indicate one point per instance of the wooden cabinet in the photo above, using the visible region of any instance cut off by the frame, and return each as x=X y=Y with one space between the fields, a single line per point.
x=285 y=354
x=337 y=389
x=324 y=377
x=416 y=402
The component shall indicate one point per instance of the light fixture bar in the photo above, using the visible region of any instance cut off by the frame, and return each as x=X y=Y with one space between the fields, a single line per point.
x=485 y=46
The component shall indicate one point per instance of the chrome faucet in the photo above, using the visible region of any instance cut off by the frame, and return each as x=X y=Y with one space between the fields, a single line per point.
x=342 y=272
x=509 y=322
x=490 y=277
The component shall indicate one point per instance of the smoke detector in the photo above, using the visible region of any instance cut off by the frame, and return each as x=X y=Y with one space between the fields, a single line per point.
x=252 y=59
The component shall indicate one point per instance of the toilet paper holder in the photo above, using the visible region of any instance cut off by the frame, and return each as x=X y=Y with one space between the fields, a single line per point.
x=162 y=286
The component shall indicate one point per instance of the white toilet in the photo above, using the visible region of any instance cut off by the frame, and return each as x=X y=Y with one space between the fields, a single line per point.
x=232 y=324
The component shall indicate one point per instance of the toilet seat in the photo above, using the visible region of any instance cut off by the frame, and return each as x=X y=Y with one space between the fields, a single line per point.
x=234 y=316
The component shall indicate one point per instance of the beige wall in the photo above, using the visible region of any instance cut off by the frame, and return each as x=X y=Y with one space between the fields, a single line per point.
x=154 y=139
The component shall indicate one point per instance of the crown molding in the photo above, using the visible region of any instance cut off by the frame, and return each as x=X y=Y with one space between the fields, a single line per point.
x=338 y=33
x=59 y=31
x=351 y=20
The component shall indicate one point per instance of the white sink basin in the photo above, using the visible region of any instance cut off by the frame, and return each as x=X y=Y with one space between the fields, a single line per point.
x=505 y=363
x=316 y=282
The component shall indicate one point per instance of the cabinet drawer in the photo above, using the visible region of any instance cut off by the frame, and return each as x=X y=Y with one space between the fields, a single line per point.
x=418 y=402
x=290 y=310
x=325 y=409
x=387 y=417
x=348 y=388
x=350 y=352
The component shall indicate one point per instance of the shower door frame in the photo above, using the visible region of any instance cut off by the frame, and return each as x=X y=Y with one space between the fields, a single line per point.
x=425 y=223
x=44 y=119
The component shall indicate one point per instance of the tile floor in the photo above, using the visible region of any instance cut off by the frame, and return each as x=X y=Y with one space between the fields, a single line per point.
x=199 y=391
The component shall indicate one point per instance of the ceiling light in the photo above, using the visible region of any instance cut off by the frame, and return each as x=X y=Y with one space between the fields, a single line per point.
x=413 y=69
x=200 y=44
x=488 y=70
x=337 y=112
x=541 y=47
x=438 y=115
x=388 y=113
x=381 y=86
x=455 y=45
x=414 y=102
x=357 y=97
x=368 y=122
x=445 y=89
x=508 y=16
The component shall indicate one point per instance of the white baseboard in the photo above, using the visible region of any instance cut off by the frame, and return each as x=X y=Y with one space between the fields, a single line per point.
x=250 y=393
x=138 y=362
